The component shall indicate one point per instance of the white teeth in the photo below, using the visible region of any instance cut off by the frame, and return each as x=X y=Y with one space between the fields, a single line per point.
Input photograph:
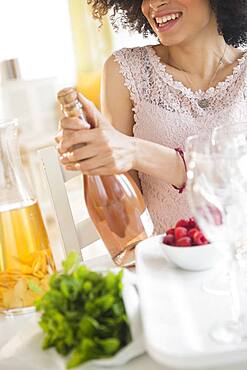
x=165 y=19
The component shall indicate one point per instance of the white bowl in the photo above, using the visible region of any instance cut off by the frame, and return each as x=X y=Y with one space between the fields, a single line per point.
x=194 y=258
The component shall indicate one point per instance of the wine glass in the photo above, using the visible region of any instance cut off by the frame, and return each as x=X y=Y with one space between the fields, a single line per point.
x=218 y=201
x=231 y=140
x=232 y=135
x=196 y=147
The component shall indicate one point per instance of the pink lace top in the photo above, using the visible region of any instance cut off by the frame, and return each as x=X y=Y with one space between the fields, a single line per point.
x=166 y=112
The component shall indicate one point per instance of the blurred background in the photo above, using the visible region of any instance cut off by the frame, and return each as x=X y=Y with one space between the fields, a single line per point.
x=46 y=45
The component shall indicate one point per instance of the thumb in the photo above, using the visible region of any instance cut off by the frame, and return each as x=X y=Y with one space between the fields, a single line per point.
x=93 y=116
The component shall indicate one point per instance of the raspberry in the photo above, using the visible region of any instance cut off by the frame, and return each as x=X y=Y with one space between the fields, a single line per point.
x=180 y=232
x=170 y=231
x=199 y=238
x=182 y=223
x=169 y=239
x=192 y=223
x=184 y=242
x=191 y=232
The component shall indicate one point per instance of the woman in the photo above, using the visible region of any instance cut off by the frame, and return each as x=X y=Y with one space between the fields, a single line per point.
x=154 y=97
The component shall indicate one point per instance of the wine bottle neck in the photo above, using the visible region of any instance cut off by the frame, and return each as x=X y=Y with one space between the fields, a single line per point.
x=70 y=104
x=73 y=109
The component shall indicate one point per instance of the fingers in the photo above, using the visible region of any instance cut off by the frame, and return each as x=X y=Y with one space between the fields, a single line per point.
x=73 y=123
x=67 y=125
x=63 y=135
x=87 y=105
x=79 y=154
x=89 y=110
x=93 y=165
x=93 y=115
x=69 y=138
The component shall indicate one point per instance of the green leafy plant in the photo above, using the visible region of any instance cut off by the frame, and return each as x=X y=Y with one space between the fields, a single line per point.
x=83 y=314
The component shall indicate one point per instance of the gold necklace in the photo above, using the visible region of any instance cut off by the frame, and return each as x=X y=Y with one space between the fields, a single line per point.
x=204 y=103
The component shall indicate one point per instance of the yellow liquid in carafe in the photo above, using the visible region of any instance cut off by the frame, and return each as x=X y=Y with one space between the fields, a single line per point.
x=89 y=85
x=25 y=256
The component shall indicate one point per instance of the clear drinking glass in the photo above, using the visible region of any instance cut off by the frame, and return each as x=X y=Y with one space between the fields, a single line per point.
x=218 y=202
x=231 y=140
x=25 y=256
x=197 y=147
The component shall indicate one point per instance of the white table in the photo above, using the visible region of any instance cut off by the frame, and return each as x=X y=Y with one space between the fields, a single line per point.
x=10 y=326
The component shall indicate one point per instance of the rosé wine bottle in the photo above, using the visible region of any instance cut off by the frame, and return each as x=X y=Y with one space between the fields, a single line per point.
x=115 y=203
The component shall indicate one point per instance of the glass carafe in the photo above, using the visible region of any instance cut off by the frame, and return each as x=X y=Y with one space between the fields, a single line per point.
x=25 y=255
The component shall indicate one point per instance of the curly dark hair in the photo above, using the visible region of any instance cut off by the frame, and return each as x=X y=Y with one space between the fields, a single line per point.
x=231 y=17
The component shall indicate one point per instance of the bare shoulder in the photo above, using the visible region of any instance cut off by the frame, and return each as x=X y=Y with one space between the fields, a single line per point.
x=122 y=63
x=112 y=73
x=116 y=103
x=111 y=66
x=113 y=85
x=125 y=56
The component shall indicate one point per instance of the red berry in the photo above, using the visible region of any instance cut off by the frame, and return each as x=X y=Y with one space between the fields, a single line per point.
x=180 y=232
x=170 y=231
x=199 y=238
x=184 y=242
x=192 y=223
x=182 y=223
x=191 y=232
x=169 y=239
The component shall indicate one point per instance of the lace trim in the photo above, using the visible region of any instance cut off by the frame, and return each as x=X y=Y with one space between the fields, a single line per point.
x=161 y=69
x=133 y=63
x=148 y=82
x=121 y=57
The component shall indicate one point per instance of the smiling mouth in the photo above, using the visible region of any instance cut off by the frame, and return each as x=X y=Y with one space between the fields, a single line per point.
x=163 y=22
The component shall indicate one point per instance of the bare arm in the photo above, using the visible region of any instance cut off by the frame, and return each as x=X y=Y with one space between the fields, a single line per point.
x=116 y=104
x=110 y=146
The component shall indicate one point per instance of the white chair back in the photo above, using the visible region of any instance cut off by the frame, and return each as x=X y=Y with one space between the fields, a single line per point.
x=74 y=236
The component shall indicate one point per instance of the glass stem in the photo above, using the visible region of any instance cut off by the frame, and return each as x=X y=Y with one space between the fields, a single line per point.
x=235 y=294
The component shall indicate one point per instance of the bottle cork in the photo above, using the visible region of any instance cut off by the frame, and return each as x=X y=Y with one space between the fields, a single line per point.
x=67 y=95
x=70 y=104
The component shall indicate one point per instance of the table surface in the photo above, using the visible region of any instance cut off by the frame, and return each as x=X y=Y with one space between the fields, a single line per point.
x=11 y=325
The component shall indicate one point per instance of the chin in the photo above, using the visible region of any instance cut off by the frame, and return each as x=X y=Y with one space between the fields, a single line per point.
x=171 y=41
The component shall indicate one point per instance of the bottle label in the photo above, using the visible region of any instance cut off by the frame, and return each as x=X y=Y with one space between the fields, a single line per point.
x=147 y=223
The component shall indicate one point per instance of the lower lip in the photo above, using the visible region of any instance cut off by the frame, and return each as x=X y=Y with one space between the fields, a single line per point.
x=167 y=26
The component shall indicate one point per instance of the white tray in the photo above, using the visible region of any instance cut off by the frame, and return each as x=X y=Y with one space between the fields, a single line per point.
x=177 y=315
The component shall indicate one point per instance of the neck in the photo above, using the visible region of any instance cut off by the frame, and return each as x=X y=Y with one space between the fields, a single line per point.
x=199 y=55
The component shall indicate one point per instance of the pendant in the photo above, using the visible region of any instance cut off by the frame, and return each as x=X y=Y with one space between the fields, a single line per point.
x=203 y=103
